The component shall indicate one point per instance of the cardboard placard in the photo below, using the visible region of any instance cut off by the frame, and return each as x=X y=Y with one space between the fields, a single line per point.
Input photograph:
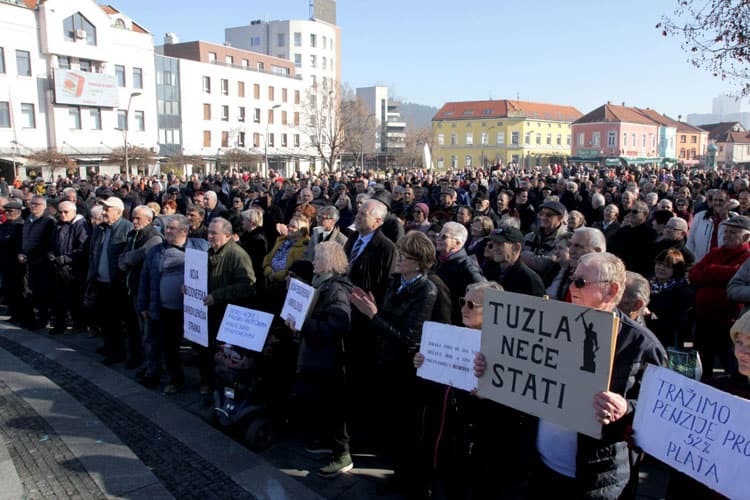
x=299 y=302
x=449 y=354
x=245 y=327
x=195 y=314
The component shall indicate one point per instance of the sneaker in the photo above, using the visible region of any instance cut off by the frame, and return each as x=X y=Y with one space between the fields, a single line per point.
x=338 y=465
x=316 y=446
x=172 y=388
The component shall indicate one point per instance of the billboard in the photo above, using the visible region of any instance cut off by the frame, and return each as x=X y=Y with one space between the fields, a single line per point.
x=81 y=88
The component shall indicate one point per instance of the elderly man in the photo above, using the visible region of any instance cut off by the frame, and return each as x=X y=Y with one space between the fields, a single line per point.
x=140 y=240
x=571 y=465
x=160 y=303
x=609 y=223
x=214 y=208
x=448 y=203
x=38 y=244
x=196 y=215
x=326 y=230
x=482 y=208
x=504 y=249
x=539 y=245
x=585 y=240
x=107 y=297
x=635 y=299
x=634 y=241
x=11 y=270
x=714 y=312
x=706 y=231
x=455 y=267
x=69 y=260
x=231 y=279
x=675 y=236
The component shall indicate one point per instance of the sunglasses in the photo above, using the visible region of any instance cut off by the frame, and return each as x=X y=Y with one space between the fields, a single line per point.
x=581 y=282
x=469 y=303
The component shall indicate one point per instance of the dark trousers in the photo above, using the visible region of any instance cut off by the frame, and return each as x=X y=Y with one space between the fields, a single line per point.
x=111 y=304
x=134 y=328
x=712 y=340
x=69 y=299
x=39 y=274
x=152 y=347
x=547 y=483
x=170 y=333
x=324 y=409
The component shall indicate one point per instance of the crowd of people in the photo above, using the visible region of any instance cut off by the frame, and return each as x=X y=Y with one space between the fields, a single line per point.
x=666 y=249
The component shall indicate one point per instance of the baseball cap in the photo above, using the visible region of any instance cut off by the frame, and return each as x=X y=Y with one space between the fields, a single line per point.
x=506 y=235
x=112 y=201
x=555 y=206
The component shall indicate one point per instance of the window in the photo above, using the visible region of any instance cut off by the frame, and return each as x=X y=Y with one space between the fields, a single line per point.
x=283 y=117
x=140 y=121
x=256 y=140
x=323 y=61
x=441 y=139
x=313 y=61
x=624 y=139
x=515 y=137
x=122 y=119
x=296 y=140
x=2 y=60
x=85 y=65
x=120 y=75
x=63 y=62
x=240 y=89
x=644 y=140
x=568 y=140
x=467 y=160
x=75 y=117
x=212 y=57
x=297 y=60
x=224 y=86
x=245 y=63
x=549 y=139
x=296 y=97
x=28 y=116
x=692 y=154
x=581 y=138
x=23 y=62
x=527 y=138
x=225 y=113
x=241 y=140
x=270 y=116
x=241 y=114
x=454 y=139
x=206 y=111
x=538 y=138
x=454 y=161
x=137 y=78
x=95 y=114
x=229 y=60
x=270 y=93
x=256 y=90
x=224 y=139
x=254 y=41
x=280 y=40
x=283 y=140
x=693 y=139
x=682 y=153
x=256 y=115
x=260 y=67
x=207 y=84
x=483 y=138
x=77 y=27
x=4 y=114
x=683 y=139
x=313 y=40
x=500 y=138
x=611 y=138
x=633 y=136
x=595 y=139
x=206 y=138
x=559 y=139
x=296 y=118
x=325 y=42
x=297 y=39
x=284 y=95
x=469 y=138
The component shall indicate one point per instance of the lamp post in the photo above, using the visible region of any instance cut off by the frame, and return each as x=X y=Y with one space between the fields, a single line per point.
x=484 y=143
x=125 y=134
x=265 y=143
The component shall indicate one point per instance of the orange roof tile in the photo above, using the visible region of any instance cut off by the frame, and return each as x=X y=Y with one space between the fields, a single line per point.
x=471 y=110
x=614 y=113
x=31 y=4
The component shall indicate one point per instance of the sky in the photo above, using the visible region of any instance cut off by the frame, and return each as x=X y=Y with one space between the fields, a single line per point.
x=578 y=52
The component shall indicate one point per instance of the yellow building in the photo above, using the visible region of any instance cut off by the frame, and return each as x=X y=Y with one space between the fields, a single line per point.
x=483 y=133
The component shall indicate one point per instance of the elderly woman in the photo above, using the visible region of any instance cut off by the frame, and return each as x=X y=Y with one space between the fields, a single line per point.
x=420 y=216
x=397 y=329
x=738 y=384
x=672 y=300
x=286 y=250
x=253 y=239
x=321 y=357
x=575 y=220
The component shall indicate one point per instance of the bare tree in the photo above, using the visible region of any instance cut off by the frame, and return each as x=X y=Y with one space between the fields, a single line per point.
x=139 y=157
x=716 y=34
x=414 y=146
x=359 y=127
x=239 y=158
x=322 y=121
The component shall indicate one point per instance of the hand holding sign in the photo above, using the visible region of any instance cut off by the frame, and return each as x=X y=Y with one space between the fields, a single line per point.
x=609 y=407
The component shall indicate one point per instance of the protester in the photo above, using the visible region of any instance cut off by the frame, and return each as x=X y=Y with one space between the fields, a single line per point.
x=672 y=305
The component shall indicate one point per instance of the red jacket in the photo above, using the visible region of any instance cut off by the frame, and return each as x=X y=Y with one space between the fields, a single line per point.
x=710 y=277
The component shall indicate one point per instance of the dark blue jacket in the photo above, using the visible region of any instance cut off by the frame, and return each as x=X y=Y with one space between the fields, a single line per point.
x=72 y=244
x=116 y=247
x=458 y=271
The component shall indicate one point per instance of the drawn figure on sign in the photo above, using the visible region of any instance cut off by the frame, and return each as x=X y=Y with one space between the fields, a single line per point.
x=590 y=345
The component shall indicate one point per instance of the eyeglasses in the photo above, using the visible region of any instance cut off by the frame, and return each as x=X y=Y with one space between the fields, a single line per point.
x=635 y=211
x=444 y=237
x=581 y=282
x=469 y=303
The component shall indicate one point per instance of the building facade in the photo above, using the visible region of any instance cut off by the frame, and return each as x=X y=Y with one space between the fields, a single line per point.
x=481 y=133
x=390 y=129
x=731 y=144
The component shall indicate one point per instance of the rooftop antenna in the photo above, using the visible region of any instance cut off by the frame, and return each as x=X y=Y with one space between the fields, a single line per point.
x=312 y=8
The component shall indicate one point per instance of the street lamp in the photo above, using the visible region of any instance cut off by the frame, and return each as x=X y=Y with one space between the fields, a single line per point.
x=484 y=143
x=125 y=134
x=265 y=141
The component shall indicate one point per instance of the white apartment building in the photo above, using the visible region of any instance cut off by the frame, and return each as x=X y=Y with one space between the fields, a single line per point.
x=76 y=77
x=390 y=133
x=314 y=46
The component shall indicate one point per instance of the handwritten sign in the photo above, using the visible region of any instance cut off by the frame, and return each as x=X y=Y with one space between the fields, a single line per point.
x=449 y=354
x=245 y=327
x=300 y=299
x=195 y=314
x=696 y=429
x=546 y=358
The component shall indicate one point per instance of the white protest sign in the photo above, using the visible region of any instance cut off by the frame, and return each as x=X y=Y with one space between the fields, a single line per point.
x=195 y=314
x=245 y=327
x=696 y=429
x=300 y=298
x=546 y=358
x=449 y=354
